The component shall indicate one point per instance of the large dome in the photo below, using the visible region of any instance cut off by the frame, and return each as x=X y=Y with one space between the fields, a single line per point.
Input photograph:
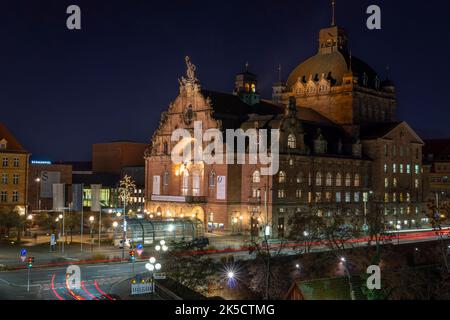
x=333 y=66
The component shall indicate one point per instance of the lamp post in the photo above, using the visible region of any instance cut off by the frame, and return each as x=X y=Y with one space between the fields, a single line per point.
x=38 y=183
x=151 y=266
x=91 y=221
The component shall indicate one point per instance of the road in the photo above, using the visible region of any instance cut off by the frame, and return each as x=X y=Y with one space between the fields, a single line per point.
x=98 y=281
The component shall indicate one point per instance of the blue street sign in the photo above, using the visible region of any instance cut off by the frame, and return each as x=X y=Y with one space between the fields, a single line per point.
x=23 y=252
x=139 y=246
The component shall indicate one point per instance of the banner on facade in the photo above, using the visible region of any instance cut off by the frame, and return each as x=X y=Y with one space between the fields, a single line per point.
x=156 y=185
x=58 y=196
x=221 y=187
x=77 y=197
x=48 y=178
x=95 y=197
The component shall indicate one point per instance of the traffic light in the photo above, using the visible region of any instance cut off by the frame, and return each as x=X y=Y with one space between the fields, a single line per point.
x=132 y=257
x=30 y=262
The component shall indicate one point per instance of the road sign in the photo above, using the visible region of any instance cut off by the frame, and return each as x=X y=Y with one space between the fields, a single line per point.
x=23 y=252
x=52 y=240
x=139 y=252
x=23 y=258
x=159 y=276
x=139 y=246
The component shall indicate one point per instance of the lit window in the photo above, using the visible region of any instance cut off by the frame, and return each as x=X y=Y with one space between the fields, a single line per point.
x=3 y=196
x=338 y=197
x=394 y=168
x=394 y=197
x=385 y=168
x=292 y=142
x=166 y=178
x=401 y=168
x=256 y=177
x=408 y=169
x=348 y=180
x=281 y=194
x=15 y=178
x=357 y=180
x=318 y=196
x=300 y=177
x=348 y=197
x=16 y=162
x=386 y=182
x=338 y=180
x=298 y=194
x=329 y=179
x=5 y=162
x=357 y=197
x=318 y=179
x=282 y=177
x=417 y=169
x=15 y=196
x=395 y=182
x=386 y=197
x=4 y=178
x=416 y=183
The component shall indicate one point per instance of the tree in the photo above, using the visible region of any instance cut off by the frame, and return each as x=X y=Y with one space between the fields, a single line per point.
x=10 y=220
x=439 y=216
x=189 y=270
x=126 y=190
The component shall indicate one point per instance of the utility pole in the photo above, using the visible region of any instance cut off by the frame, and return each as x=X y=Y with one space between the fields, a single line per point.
x=82 y=218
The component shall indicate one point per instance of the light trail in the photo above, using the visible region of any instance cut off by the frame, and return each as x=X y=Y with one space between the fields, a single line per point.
x=101 y=291
x=83 y=286
x=54 y=290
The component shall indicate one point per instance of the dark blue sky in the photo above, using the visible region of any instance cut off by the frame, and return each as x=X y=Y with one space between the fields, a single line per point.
x=61 y=91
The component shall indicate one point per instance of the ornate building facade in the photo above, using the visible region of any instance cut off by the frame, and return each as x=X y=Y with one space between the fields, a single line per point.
x=341 y=149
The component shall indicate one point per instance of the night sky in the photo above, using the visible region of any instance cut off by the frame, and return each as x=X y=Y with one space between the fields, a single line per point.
x=61 y=90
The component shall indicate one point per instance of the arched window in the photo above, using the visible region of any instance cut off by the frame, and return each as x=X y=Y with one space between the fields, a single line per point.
x=357 y=180
x=166 y=178
x=329 y=179
x=212 y=179
x=256 y=177
x=185 y=183
x=338 y=180
x=292 y=142
x=300 y=177
x=348 y=180
x=282 y=177
x=165 y=148
x=196 y=184
x=318 y=179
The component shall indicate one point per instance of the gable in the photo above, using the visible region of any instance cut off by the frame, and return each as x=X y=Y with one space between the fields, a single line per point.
x=404 y=132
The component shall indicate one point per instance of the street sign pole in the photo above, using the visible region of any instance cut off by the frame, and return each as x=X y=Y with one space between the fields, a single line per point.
x=28 y=285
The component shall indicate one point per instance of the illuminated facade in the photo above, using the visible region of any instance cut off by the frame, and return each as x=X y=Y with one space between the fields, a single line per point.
x=341 y=149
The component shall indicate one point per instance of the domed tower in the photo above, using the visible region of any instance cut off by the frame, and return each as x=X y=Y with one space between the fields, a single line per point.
x=340 y=86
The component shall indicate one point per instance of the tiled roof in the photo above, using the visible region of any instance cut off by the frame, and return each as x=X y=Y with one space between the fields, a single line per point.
x=438 y=148
x=13 y=144
x=377 y=130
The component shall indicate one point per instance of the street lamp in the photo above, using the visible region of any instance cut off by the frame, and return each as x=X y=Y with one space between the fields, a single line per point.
x=91 y=221
x=38 y=181
x=161 y=246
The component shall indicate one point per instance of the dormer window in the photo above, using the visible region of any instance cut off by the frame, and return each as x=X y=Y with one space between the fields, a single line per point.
x=377 y=83
x=365 y=79
x=3 y=144
x=292 y=142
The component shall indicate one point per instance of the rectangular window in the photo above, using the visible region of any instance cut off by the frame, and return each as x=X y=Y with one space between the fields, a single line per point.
x=4 y=178
x=394 y=197
x=394 y=168
x=318 y=197
x=385 y=168
x=338 y=197
x=281 y=194
x=15 y=196
x=5 y=162
x=16 y=178
x=348 y=197
x=401 y=168
x=386 y=197
x=3 y=196
x=408 y=169
x=357 y=197
x=16 y=162
x=386 y=182
x=416 y=183
x=408 y=197
x=298 y=194
x=328 y=196
x=309 y=197
x=394 y=182
x=417 y=169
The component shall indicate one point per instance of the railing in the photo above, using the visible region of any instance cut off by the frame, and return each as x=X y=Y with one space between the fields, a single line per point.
x=181 y=199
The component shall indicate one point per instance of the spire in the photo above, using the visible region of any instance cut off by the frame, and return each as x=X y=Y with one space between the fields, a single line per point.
x=333 y=12
x=279 y=72
x=246 y=66
x=388 y=72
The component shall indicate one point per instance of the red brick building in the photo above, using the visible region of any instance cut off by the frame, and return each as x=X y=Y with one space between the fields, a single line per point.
x=341 y=149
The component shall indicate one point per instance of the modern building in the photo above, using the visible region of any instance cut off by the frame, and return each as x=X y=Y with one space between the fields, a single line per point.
x=112 y=157
x=13 y=173
x=341 y=149
x=41 y=177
